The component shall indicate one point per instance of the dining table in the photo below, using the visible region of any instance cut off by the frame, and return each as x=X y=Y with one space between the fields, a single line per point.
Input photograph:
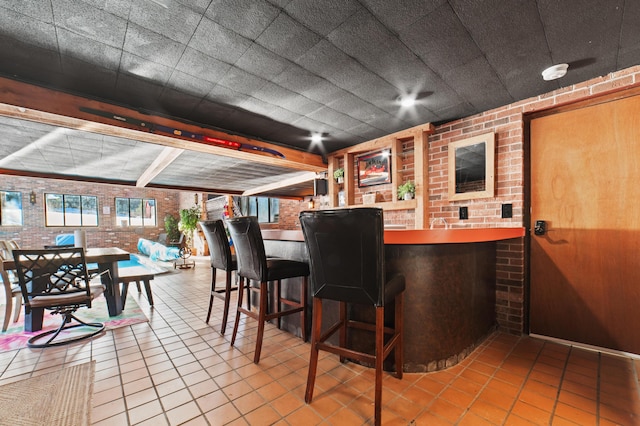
x=107 y=259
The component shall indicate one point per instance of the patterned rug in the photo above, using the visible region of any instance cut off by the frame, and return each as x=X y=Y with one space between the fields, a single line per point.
x=53 y=399
x=15 y=337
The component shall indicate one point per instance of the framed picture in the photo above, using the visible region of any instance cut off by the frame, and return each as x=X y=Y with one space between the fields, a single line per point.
x=374 y=168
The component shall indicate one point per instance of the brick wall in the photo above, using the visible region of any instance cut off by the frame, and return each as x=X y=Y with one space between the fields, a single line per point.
x=507 y=122
x=508 y=125
x=34 y=234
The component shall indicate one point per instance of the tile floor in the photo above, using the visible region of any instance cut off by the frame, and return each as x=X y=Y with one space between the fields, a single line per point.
x=178 y=370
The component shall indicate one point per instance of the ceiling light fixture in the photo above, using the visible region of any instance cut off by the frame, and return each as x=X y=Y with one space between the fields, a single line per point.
x=316 y=138
x=407 y=101
x=555 y=72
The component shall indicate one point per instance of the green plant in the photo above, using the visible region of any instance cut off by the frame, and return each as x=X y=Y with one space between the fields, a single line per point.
x=171 y=227
x=188 y=221
x=406 y=188
x=338 y=173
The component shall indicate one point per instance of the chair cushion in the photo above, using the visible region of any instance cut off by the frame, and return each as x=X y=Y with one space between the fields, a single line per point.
x=278 y=269
x=393 y=287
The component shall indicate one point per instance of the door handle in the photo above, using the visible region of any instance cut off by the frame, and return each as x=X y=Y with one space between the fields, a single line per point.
x=540 y=227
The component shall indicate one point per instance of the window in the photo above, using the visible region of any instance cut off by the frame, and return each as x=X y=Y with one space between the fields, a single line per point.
x=135 y=212
x=71 y=210
x=266 y=209
x=10 y=208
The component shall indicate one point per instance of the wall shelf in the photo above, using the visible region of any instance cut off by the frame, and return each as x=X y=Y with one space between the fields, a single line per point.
x=345 y=158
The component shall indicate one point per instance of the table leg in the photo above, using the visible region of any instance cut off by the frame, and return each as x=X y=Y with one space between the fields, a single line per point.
x=112 y=290
x=8 y=297
x=33 y=320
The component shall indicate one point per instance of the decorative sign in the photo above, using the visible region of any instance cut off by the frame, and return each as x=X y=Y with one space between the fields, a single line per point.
x=374 y=169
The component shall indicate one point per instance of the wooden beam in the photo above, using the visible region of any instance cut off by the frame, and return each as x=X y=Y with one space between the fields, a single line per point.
x=35 y=103
x=166 y=157
x=296 y=180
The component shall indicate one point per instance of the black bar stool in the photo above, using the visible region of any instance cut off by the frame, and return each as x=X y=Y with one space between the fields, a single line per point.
x=253 y=264
x=221 y=258
x=346 y=253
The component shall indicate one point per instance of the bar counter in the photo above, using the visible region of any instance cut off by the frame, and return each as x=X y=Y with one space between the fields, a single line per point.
x=451 y=289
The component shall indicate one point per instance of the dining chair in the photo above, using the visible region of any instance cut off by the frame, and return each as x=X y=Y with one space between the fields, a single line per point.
x=13 y=296
x=57 y=280
x=221 y=258
x=253 y=264
x=346 y=254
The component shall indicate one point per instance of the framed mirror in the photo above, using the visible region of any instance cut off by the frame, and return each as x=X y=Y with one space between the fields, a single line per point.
x=471 y=168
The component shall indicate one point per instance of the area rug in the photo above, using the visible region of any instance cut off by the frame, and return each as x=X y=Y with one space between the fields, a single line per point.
x=15 y=337
x=59 y=398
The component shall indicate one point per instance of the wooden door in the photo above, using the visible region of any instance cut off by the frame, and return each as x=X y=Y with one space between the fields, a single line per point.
x=585 y=183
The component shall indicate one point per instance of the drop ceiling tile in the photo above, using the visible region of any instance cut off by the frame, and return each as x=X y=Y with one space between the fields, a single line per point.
x=29 y=62
x=242 y=82
x=398 y=16
x=432 y=36
x=37 y=33
x=152 y=46
x=176 y=103
x=246 y=17
x=223 y=95
x=37 y=9
x=364 y=38
x=218 y=42
x=189 y=84
x=90 y=22
x=297 y=79
x=478 y=85
x=333 y=118
x=176 y=21
x=288 y=38
x=119 y=8
x=87 y=50
x=322 y=16
x=287 y=99
x=144 y=69
x=201 y=66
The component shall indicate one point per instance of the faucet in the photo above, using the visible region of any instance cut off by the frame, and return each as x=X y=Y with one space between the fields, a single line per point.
x=438 y=219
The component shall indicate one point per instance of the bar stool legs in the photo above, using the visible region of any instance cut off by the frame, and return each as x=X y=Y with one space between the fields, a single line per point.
x=262 y=316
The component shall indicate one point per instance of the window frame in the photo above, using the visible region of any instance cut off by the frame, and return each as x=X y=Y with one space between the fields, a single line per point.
x=4 y=211
x=65 y=216
x=131 y=223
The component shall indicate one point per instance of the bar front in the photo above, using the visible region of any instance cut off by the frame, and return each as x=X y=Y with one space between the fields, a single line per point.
x=451 y=289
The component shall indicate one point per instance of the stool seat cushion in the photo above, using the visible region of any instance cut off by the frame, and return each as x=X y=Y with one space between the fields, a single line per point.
x=278 y=269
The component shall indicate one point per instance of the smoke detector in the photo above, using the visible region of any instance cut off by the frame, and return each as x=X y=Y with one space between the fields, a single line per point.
x=554 y=72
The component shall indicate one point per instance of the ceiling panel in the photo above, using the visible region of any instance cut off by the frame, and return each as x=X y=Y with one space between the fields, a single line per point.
x=281 y=70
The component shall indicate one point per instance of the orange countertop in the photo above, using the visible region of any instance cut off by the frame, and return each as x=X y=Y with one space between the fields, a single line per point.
x=420 y=236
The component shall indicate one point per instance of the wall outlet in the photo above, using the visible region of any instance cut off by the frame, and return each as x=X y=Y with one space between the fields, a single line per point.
x=507 y=211
x=464 y=213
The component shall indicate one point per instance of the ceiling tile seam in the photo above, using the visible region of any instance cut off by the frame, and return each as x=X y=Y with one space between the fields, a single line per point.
x=186 y=45
x=495 y=71
x=55 y=30
x=325 y=38
x=466 y=102
x=282 y=11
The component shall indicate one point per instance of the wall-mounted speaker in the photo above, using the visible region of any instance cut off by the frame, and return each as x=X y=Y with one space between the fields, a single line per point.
x=320 y=187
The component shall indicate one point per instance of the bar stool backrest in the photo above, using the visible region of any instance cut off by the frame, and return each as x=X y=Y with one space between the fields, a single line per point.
x=250 y=252
x=219 y=250
x=346 y=253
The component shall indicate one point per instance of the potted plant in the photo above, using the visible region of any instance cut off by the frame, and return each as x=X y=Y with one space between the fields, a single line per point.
x=171 y=227
x=406 y=191
x=188 y=222
x=338 y=175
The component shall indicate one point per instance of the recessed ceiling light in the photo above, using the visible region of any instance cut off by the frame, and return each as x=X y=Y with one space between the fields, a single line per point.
x=407 y=101
x=316 y=137
x=555 y=72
